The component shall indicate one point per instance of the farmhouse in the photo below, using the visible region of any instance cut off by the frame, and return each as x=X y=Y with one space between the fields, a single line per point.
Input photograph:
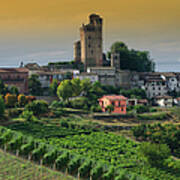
x=118 y=102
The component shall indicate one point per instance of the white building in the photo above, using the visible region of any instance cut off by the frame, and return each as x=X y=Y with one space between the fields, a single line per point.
x=91 y=76
x=164 y=101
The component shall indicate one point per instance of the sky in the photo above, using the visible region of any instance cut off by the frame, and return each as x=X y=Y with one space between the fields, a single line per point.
x=44 y=30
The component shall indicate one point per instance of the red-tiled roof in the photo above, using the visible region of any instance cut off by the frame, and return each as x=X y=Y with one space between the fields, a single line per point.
x=13 y=70
x=114 y=97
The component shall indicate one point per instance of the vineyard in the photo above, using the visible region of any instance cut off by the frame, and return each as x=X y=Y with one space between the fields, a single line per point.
x=17 y=168
x=82 y=151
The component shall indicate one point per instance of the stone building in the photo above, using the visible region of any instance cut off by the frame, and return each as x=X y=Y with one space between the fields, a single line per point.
x=90 y=46
x=15 y=77
x=77 y=51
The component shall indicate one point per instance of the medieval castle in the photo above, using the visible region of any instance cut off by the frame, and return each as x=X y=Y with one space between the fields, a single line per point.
x=89 y=50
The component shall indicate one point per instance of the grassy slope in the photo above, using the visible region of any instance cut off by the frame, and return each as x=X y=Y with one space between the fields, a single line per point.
x=12 y=167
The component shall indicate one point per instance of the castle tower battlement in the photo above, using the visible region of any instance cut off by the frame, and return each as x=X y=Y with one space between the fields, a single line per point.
x=91 y=42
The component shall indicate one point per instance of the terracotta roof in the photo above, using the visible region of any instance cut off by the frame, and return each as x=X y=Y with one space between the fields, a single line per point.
x=114 y=97
x=178 y=99
x=14 y=70
x=142 y=101
x=164 y=97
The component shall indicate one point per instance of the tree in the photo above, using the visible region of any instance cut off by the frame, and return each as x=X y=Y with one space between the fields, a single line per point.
x=53 y=87
x=3 y=88
x=65 y=90
x=76 y=85
x=110 y=108
x=86 y=86
x=34 y=85
x=10 y=100
x=14 y=90
x=155 y=153
x=22 y=100
x=132 y=59
x=38 y=107
x=2 y=106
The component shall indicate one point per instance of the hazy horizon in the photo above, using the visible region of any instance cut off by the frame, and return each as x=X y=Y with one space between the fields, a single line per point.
x=44 y=31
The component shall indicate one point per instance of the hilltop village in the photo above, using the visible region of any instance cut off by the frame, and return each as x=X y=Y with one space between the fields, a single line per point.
x=98 y=117
x=91 y=63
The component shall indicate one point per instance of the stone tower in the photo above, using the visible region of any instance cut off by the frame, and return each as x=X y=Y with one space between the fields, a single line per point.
x=115 y=60
x=91 y=42
x=77 y=51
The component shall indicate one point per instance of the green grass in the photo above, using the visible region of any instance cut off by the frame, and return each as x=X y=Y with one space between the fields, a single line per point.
x=12 y=168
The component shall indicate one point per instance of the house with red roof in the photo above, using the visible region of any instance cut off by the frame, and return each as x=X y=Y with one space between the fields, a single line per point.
x=119 y=103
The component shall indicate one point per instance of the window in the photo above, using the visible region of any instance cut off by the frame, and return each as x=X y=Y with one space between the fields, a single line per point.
x=122 y=109
x=92 y=52
x=159 y=88
x=112 y=103
x=89 y=37
x=153 y=88
x=89 y=45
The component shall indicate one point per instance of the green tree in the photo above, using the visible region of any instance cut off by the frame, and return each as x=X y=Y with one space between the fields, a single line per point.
x=76 y=85
x=132 y=59
x=53 y=87
x=38 y=107
x=2 y=106
x=155 y=154
x=65 y=90
x=3 y=88
x=14 y=90
x=86 y=85
x=34 y=85
x=110 y=108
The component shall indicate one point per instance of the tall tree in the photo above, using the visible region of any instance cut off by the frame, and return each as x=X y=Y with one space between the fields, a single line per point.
x=53 y=87
x=131 y=59
x=34 y=85
x=65 y=90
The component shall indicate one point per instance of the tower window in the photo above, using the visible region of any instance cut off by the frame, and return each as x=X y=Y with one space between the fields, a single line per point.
x=92 y=51
x=89 y=37
x=89 y=45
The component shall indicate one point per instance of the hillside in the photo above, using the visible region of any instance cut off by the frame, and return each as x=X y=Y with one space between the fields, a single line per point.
x=18 y=168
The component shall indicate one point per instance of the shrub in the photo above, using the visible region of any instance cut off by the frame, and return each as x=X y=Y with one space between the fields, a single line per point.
x=38 y=107
x=141 y=108
x=155 y=153
x=79 y=103
x=22 y=100
x=57 y=104
x=2 y=106
x=96 y=108
x=13 y=113
x=110 y=108
x=10 y=100
x=27 y=115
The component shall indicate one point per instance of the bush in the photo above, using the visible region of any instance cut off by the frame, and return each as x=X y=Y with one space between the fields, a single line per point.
x=10 y=100
x=96 y=108
x=155 y=153
x=2 y=106
x=22 y=100
x=79 y=103
x=141 y=108
x=27 y=115
x=57 y=104
x=13 y=113
x=38 y=107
